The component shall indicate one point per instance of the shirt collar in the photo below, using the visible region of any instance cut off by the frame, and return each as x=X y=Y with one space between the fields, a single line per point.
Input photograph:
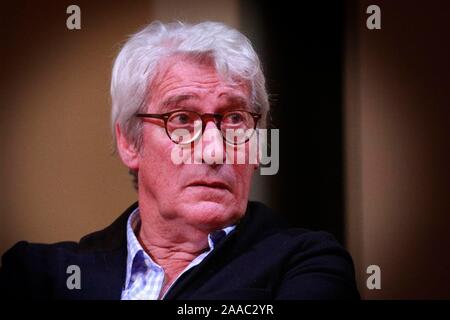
x=137 y=256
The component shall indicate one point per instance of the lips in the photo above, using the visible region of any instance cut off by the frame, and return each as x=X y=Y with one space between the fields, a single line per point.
x=210 y=184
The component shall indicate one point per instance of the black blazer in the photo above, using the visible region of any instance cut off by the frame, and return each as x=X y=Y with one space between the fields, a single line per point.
x=260 y=259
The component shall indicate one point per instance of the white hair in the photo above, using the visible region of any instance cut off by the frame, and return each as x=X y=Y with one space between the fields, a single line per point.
x=138 y=60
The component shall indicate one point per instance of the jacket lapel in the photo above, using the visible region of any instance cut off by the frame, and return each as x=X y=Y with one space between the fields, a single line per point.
x=102 y=259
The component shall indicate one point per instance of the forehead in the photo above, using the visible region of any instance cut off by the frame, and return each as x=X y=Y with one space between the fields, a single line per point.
x=195 y=80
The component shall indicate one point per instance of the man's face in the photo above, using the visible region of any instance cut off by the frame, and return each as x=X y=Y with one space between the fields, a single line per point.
x=209 y=196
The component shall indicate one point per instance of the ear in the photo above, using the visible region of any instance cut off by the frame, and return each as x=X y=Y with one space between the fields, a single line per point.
x=127 y=151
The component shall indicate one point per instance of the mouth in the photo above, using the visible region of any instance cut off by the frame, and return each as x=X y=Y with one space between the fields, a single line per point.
x=218 y=185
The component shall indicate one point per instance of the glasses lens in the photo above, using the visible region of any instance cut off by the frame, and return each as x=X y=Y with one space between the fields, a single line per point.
x=237 y=127
x=184 y=126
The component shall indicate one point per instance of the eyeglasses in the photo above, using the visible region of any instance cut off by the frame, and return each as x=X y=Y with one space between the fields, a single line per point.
x=184 y=126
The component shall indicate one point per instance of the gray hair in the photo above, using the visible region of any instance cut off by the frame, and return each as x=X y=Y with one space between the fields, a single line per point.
x=137 y=63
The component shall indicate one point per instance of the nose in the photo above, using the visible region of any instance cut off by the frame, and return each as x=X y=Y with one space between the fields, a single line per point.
x=212 y=149
x=211 y=125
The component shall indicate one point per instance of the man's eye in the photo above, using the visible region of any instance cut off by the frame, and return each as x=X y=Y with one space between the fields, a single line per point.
x=234 y=118
x=181 y=118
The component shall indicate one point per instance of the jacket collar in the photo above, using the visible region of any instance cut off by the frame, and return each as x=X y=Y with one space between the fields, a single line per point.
x=103 y=255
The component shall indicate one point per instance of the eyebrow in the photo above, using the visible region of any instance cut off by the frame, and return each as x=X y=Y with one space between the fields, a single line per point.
x=231 y=99
x=235 y=100
x=174 y=100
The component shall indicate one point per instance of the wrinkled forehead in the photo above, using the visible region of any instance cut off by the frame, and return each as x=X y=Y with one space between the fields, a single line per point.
x=195 y=75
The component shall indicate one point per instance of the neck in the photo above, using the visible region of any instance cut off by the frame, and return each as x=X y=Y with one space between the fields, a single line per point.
x=171 y=244
x=171 y=250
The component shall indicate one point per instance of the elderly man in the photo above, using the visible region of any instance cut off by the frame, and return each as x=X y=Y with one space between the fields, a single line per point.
x=193 y=234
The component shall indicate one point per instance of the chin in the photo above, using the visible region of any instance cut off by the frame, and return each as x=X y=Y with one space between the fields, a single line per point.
x=210 y=214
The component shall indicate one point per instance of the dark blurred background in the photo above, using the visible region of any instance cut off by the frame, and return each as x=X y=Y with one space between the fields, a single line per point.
x=363 y=118
x=302 y=51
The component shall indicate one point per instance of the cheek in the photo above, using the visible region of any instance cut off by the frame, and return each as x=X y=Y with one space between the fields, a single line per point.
x=155 y=165
x=156 y=146
x=244 y=175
